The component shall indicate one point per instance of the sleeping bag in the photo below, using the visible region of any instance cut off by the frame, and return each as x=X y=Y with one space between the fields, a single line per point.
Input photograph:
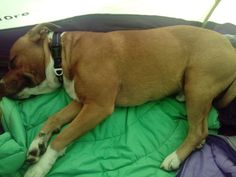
x=132 y=142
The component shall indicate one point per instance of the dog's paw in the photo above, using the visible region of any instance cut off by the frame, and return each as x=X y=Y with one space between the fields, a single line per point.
x=45 y=163
x=36 y=170
x=37 y=148
x=171 y=162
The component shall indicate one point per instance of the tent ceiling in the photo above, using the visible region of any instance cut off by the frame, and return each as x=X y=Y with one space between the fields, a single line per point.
x=15 y=13
x=225 y=12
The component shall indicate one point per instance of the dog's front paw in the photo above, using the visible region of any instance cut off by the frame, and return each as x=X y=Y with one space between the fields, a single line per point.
x=37 y=170
x=44 y=164
x=37 y=148
x=171 y=162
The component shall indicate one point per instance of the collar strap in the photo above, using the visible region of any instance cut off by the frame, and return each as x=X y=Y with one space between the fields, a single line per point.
x=55 y=49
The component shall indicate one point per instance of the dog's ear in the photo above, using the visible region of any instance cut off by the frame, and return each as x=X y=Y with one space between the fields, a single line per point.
x=40 y=31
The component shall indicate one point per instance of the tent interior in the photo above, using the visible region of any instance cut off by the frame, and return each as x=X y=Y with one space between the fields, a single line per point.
x=133 y=141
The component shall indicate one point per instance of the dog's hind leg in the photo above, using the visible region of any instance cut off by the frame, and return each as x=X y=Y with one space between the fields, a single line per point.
x=53 y=124
x=198 y=102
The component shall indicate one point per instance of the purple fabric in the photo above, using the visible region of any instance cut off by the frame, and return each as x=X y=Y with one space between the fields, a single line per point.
x=216 y=159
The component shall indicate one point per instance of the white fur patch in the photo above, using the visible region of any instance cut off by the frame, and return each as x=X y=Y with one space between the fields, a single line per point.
x=35 y=145
x=45 y=163
x=171 y=162
x=48 y=85
x=70 y=88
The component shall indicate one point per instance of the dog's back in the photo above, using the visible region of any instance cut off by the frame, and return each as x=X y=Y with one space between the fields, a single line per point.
x=151 y=64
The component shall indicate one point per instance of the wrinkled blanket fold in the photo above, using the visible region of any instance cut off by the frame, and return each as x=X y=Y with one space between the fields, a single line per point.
x=132 y=142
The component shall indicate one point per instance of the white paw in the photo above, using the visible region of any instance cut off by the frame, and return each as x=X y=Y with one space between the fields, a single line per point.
x=37 y=170
x=44 y=165
x=171 y=162
x=37 y=147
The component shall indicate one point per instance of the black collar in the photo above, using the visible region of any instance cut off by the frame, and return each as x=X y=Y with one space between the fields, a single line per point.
x=55 y=49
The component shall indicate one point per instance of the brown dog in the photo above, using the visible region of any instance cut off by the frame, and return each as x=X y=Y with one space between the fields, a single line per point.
x=125 y=68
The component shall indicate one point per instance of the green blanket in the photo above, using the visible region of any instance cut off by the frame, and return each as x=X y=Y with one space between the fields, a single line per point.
x=132 y=142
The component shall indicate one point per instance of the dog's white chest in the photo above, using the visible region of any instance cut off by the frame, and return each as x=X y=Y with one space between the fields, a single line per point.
x=70 y=88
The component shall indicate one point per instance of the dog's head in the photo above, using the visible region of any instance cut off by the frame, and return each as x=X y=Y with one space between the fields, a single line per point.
x=27 y=61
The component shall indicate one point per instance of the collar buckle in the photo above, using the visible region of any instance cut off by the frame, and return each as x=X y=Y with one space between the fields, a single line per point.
x=58 y=72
